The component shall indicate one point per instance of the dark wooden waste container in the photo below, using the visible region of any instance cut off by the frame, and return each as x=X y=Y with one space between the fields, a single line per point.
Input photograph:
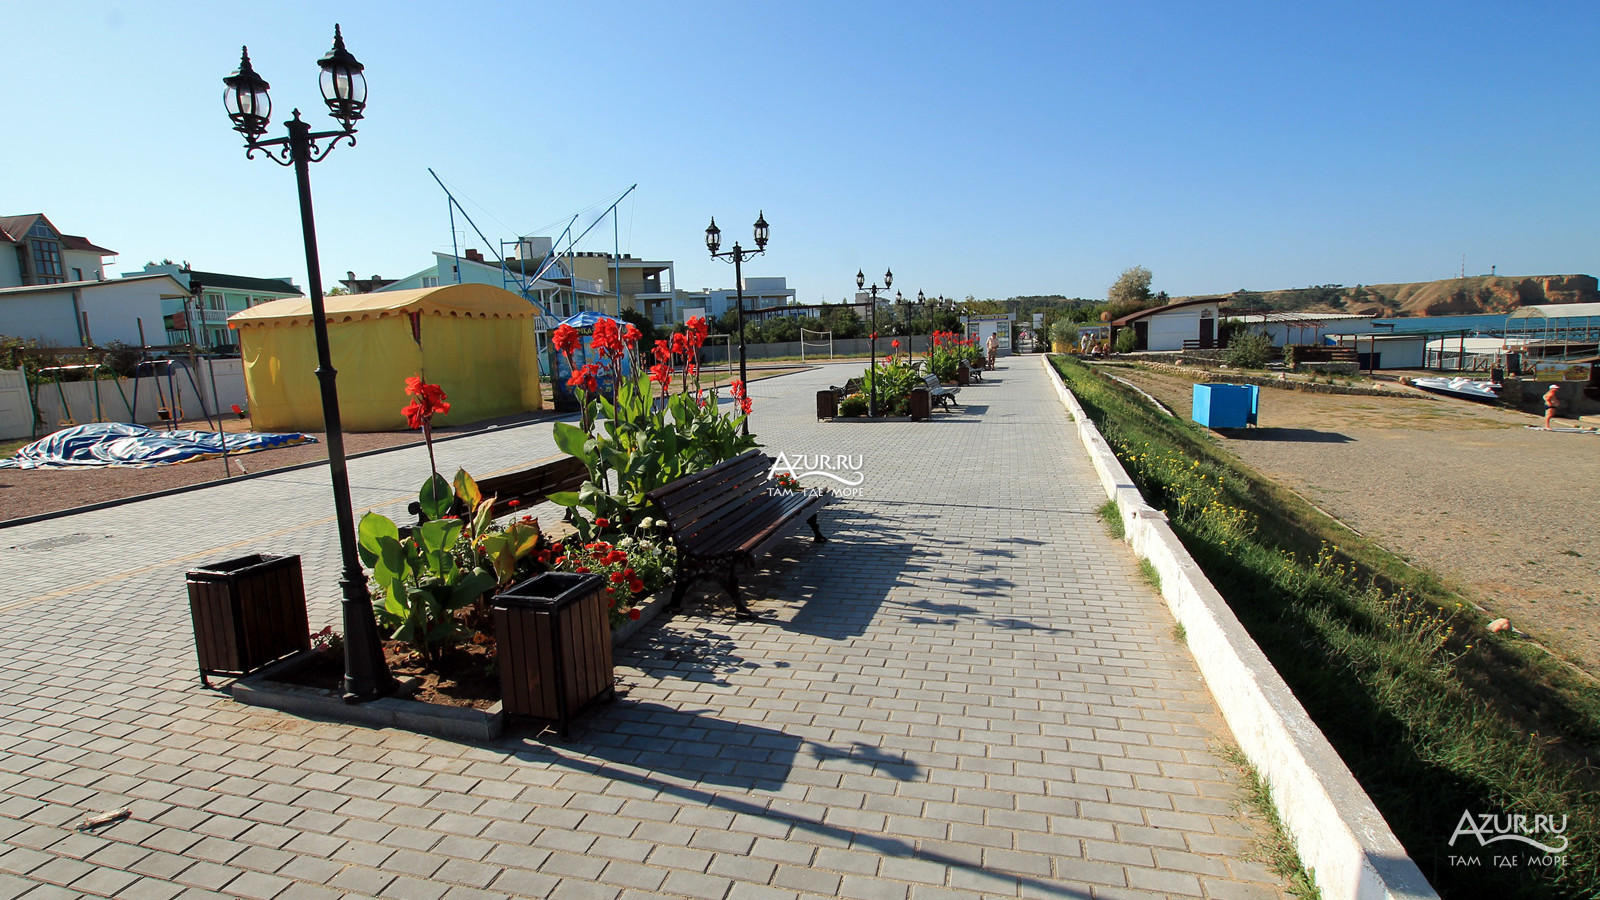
x=919 y=404
x=963 y=373
x=553 y=646
x=247 y=612
x=827 y=404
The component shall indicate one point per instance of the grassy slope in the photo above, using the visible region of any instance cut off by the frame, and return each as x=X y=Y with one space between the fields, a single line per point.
x=1432 y=714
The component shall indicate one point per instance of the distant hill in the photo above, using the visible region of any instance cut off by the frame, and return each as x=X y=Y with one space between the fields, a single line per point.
x=1450 y=297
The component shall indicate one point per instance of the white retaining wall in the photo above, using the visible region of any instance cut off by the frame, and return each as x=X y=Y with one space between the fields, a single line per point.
x=1341 y=836
x=114 y=406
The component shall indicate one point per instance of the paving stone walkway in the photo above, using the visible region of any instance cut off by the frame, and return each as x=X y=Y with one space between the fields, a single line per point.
x=967 y=693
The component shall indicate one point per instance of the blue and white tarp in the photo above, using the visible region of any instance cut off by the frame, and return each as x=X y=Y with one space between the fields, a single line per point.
x=135 y=446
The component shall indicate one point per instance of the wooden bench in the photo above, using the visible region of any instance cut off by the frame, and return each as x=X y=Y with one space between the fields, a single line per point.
x=522 y=488
x=727 y=516
x=937 y=392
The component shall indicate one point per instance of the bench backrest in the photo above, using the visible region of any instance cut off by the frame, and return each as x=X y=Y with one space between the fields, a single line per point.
x=932 y=381
x=701 y=508
x=525 y=486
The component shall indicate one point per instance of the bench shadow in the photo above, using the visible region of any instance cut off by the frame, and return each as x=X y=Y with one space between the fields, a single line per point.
x=834 y=593
x=1293 y=435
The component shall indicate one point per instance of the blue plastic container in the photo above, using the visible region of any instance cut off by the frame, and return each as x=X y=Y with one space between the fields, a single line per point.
x=1226 y=405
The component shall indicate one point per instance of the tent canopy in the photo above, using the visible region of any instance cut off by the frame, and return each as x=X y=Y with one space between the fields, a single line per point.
x=474 y=340
x=455 y=300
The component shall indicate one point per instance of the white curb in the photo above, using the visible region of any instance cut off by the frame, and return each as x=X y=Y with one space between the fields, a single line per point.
x=1338 y=831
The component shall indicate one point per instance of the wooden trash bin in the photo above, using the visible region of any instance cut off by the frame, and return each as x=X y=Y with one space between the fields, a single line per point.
x=963 y=373
x=920 y=405
x=247 y=612
x=553 y=647
x=827 y=404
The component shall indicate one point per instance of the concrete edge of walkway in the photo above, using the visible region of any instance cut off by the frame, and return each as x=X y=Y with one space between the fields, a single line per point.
x=1341 y=836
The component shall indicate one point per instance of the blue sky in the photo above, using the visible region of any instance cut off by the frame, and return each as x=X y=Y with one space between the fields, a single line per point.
x=985 y=149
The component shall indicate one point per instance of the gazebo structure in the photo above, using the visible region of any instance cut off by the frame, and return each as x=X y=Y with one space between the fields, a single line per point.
x=474 y=340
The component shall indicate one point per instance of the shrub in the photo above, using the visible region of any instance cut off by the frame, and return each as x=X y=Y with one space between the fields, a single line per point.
x=1064 y=333
x=1126 y=340
x=1248 y=350
x=853 y=405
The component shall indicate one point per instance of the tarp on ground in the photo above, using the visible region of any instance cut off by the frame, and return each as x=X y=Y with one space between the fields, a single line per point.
x=474 y=340
x=137 y=447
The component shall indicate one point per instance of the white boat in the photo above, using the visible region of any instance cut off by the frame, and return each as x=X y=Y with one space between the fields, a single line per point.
x=1485 y=391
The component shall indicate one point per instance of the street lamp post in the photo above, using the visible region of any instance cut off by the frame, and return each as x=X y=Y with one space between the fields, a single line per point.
x=737 y=255
x=861 y=284
x=922 y=309
x=344 y=88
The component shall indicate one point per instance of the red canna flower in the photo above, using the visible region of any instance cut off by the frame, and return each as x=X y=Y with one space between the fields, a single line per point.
x=607 y=340
x=566 y=338
x=661 y=374
x=745 y=405
x=663 y=351
x=895 y=343
x=631 y=334
x=736 y=388
x=680 y=344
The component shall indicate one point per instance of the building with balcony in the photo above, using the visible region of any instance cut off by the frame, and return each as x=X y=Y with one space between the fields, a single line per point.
x=34 y=252
x=203 y=320
x=647 y=286
x=761 y=295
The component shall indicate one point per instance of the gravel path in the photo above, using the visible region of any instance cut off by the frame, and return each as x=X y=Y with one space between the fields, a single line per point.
x=1504 y=512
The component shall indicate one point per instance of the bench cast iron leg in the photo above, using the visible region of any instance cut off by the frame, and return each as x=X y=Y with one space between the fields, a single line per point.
x=732 y=584
x=678 y=589
x=819 y=539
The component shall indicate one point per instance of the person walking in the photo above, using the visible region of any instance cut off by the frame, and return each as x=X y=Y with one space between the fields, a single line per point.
x=1552 y=401
x=993 y=348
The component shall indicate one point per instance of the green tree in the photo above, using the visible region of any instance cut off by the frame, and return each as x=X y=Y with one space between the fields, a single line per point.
x=641 y=321
x=1132 y=288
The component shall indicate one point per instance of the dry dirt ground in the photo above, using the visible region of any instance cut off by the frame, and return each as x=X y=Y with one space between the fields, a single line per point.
x=28 y=492
x=1505 y=514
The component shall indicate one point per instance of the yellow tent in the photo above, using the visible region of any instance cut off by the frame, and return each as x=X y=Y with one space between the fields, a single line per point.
x=474 y=340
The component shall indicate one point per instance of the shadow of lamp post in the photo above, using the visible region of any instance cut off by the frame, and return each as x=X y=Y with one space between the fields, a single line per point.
x=861 y=284
x=344 y=88
x=737 y=255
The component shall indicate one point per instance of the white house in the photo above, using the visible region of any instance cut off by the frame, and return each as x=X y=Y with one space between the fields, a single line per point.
x=33 y=251
x=85 y=313
x=1169 y=327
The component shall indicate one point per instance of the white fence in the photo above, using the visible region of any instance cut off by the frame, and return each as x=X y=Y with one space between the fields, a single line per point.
x=139 y=400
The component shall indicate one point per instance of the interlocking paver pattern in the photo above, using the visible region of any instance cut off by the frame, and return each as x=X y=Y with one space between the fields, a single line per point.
x=966 y=693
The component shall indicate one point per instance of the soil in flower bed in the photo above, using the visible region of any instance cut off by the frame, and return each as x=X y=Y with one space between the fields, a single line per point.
x=464 y=677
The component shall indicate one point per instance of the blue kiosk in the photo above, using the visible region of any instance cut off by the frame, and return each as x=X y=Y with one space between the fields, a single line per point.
x=1226 y=405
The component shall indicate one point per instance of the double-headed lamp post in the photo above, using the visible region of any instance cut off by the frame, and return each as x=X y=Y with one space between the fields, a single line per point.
x=737 y=255
x=922 y=306
x=861 y=284
x=366 y=677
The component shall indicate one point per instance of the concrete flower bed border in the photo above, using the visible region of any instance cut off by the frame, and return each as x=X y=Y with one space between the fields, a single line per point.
x=1338 y=831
